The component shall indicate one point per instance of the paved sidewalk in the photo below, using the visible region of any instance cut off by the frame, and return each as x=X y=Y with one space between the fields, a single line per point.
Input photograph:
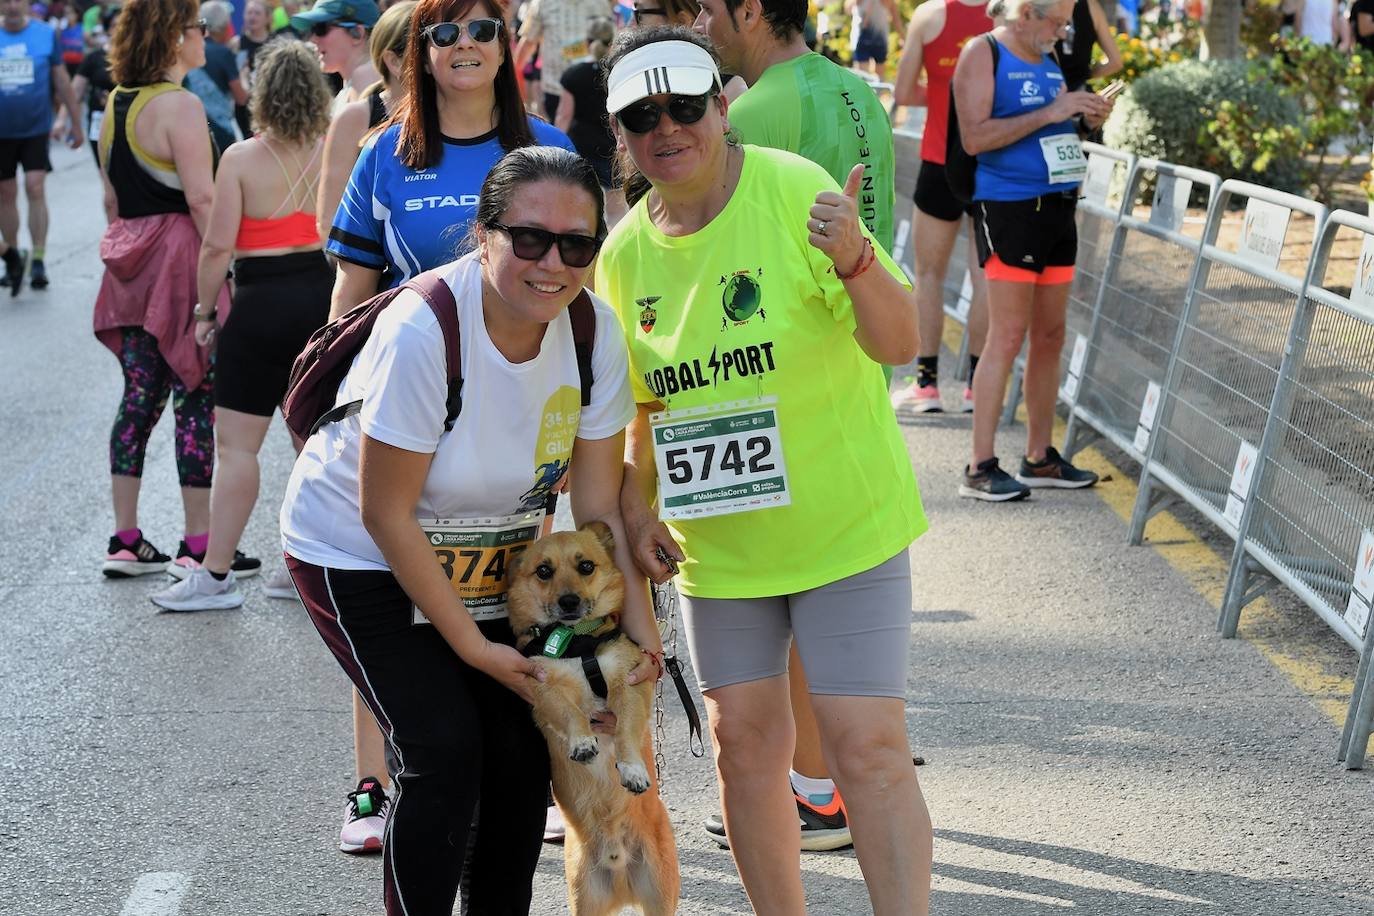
x=1093 y=746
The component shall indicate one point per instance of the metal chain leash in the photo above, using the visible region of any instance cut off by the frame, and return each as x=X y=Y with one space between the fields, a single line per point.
x=665 y=614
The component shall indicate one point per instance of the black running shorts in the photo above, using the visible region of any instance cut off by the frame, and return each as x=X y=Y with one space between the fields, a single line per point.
x=29 y=152
x=1028 y=234
x=933 y=196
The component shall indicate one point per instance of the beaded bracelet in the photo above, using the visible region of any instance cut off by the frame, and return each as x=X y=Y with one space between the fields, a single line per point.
x=866 y=259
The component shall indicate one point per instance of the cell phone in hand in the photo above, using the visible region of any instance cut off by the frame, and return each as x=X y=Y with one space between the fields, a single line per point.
x=1112 y=89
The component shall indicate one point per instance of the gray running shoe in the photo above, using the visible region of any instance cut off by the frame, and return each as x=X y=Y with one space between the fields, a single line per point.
x=990 y=483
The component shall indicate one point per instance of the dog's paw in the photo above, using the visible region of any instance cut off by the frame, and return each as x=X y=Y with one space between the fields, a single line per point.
x=634 y=777
x=583 y=749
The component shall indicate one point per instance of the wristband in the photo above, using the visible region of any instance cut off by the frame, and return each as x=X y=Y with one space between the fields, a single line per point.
x=657 y=659
x=198 y=315
x=866 y=259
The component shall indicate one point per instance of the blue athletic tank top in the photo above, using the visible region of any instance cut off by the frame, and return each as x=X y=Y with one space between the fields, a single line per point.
x=1020 y=171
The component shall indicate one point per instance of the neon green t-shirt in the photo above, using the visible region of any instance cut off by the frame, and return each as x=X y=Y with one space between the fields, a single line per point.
x=819 y=110
x=744 y=308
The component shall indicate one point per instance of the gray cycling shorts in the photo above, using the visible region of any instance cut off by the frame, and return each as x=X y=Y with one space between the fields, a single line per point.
x=853 y=635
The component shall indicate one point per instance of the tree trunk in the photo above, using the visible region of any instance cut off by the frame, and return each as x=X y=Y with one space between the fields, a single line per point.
x=1221 y=30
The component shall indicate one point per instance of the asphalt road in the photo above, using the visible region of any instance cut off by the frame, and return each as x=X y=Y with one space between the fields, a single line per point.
x=1093 y=746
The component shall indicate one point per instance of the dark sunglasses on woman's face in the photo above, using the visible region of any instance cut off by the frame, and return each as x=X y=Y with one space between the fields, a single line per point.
x=321 y=29
x=201 y=25
x=531 y=244
x=639 y=13
x=642 y=117
x=445 y=34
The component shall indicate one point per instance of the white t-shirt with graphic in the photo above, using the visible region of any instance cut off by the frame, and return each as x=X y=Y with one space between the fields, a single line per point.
x=560 y=26
x=512 y=441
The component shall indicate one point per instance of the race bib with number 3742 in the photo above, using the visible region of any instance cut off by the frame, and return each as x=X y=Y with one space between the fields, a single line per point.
x=719 y=460
x=475 y=554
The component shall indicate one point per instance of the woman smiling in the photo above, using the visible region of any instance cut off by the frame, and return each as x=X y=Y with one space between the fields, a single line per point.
x=413 y=193
x=757 y=310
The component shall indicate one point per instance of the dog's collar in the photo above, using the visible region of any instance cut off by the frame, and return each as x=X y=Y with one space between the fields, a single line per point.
x=558 y=640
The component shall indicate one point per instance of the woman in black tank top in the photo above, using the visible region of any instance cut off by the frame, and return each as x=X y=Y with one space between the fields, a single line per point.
x=157 y=199
x=1075 y=53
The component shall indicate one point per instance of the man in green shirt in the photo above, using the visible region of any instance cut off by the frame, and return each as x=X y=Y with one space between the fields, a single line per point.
x=801 y=102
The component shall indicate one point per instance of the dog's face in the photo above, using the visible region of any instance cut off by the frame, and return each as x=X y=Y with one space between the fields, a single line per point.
x=565 y=577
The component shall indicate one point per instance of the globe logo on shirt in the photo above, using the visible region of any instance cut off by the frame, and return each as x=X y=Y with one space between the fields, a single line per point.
x=742 y=297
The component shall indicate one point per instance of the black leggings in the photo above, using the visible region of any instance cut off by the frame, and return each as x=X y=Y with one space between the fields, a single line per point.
x=459 y=737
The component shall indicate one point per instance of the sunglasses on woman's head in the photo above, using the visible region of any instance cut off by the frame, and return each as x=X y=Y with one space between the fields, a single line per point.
x=201 y=25
x=530 y=244
x=445 y=34
x=648 y=11
x=643 y=116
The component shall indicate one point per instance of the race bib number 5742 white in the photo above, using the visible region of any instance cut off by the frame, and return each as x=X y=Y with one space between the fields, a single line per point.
x=719 y=460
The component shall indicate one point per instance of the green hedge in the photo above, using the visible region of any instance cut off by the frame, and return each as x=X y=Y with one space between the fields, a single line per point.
x=1166 y=113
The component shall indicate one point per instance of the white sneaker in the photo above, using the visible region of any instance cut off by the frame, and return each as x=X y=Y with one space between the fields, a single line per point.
x=918 y=399
x=278 y=584
x=554 y=827
x=364 y=826
x=200 y=591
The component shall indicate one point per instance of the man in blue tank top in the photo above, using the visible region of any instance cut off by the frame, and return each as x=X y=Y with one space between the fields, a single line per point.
x=1017 y=118
x=30 y=69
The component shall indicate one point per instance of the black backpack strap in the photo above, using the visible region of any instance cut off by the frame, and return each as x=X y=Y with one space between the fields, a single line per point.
x=436 y=292
x=583 y=316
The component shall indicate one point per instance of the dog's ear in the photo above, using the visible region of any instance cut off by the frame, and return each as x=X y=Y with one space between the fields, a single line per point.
x=603 y=534
x=513 y=563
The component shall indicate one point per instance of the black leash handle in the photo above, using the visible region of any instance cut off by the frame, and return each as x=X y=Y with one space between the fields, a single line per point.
x=694 y=742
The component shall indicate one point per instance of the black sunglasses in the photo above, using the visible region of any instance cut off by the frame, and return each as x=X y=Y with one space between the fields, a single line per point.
x=199 y=24
x=321 y=29
x=643 y=116
x=445 y=34
x=648 y=11
x=531 y=244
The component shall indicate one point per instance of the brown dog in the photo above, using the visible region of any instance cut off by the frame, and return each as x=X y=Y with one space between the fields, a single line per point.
x=619 y=848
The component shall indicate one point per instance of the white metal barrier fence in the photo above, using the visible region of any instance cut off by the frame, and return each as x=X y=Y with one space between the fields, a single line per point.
x=1236 y=364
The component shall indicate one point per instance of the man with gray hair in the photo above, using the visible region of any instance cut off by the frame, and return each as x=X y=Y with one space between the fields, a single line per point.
x=217 y=84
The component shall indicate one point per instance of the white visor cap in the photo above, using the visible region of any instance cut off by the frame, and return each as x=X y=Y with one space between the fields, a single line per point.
x=677 y=67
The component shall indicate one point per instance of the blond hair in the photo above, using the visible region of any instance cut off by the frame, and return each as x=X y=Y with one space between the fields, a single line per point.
x=390 y=34
x=290 y=97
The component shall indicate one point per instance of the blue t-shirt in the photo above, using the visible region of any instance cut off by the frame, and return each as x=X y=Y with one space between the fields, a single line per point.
x=1020 y=171
x=211 y=84
x=393 y=216
x=26 y=61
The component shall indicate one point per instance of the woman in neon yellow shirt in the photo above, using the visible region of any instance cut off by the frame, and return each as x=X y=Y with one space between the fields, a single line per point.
x=779 y=467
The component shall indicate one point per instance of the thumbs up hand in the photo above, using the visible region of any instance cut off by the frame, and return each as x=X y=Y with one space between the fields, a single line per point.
x=834 y=223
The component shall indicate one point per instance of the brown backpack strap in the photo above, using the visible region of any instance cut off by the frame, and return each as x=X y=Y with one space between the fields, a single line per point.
x=583 y=316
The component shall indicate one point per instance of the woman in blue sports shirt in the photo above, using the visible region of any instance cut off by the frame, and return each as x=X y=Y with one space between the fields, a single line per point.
x=413 y=192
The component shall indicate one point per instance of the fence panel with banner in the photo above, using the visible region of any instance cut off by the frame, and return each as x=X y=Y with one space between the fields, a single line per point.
x=1204 y=433
x=1098 y=213
x=1116 y=368
x=1309 y=518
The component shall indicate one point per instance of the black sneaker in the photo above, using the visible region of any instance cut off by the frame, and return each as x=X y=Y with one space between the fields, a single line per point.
x=1054 y=471
x=992 y=484
x=244 y=567
x=125 y=562
x=823 y=827
x=38 y=274
x=15 y=262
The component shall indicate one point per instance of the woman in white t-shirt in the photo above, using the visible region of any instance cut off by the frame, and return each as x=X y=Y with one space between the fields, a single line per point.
x=375 y=498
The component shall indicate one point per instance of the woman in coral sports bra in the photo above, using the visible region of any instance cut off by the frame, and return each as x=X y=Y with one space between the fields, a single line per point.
x=264 y=218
